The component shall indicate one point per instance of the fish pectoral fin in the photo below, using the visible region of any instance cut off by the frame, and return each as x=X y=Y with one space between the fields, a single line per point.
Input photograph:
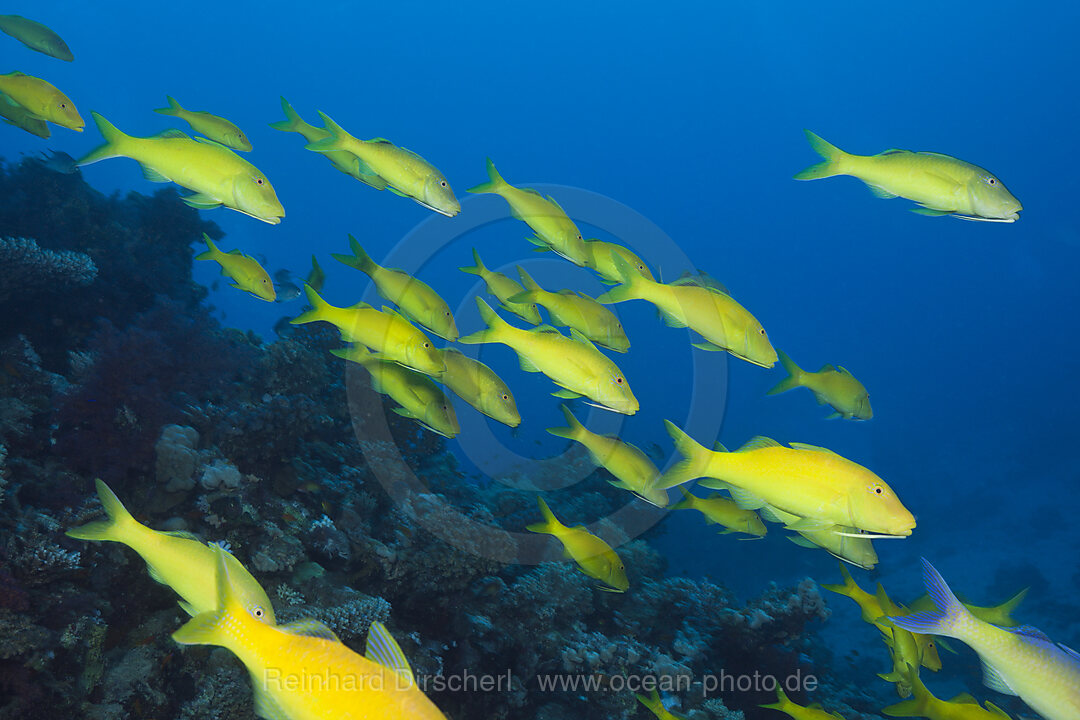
x=994 y=680
x=153 y=175
x=310 y=628
x=711 y=347
x=202 y=201
x=744 y=499
x=539 y=242
x=566 y=394
x=804 y=524
x=526 y=364
x=383 y=649
x=833 y=416
x=671 y=320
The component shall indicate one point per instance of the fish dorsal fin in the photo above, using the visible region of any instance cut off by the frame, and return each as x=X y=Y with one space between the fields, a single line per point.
x=580 y=337
x=892 y=151
x=827 y=367
x=1031 y=632
x=383 y=649
x=719 y=447
x=172 y=134
x=1069 y=651
x=183 y=534
x=814 y=448
x=379 y=140
x=757 y=443
x=993 y=680
x=310 y=628
x=964 y=699
x=410 y=152
x=545 y=328
x=531 y=191
x=843 y=370
x=554 y=202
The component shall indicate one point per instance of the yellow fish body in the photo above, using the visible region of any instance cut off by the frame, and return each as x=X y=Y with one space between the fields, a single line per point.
x=216 y=128
x=216 y=174
x=302 y=671
x=414 y=297
x=503 y=288
x=721 y=511
x=924 y=705
x=553 y=227
x=36 y=36
x=632 y=469
x=816 y=484
x=594 y=556
x=477 y=384
x=571 y=363
x=15 y=114
x=722 y=322
x=799 y=712
x=1000 y=615
x=602 y=256
x=176 y=559
x=940 y=184
x=42 y=99
x=384 y=331
x=1020 y=661
x=837 y=541
x=575 y=310
x=419 y=397
x=247 y=273
x=404 y=172
x=835 y=386
x=656 y=706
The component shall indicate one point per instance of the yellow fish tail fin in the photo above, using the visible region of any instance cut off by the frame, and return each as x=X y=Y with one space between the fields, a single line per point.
x=292 y=122
x=574 y=428
x=833 y=164
x=205 y=628
x=334 y=141
x=551 y=524
x=849 y=588
x=173 y=109
x=695 y=461
x=113 y=141
x=782 y=702
x=320 y=309
x=212 y=251
x=687 y=502
x=652 y=702
x=951 y=614
x=117 y=528
x=495 y=185
x=630 y=278
x=359 y=259
x=1001 y=615
x=478 y=268
x=495 y=326
x=794 y=378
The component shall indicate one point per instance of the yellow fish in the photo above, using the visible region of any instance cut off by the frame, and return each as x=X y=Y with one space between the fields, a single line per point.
x=386 y=332
x=568 y=308
x=904 y=646
x=553 y=227
x=940 y=184
x=477 y=384
x=247 y=273
x=317 y=276
x=721 y=511
x=594 y=556
x=837 y=540
x=835 y=386
x=602 y=256
x=414 y=298
x=924 y=705
x=656 y=706
x=176 y=559
x=816 y=484
x=36 y=36
x=405 y=173
x=632 y=469
x=216 y=174
x=216 y=128
x=798 y=712
x=419 y=397
x=724 y=323
x=1021 y=661
x=1000 y=615
x=302 y=671
x=15 y=114
x=573 y=364
x=503 y=288
x=42 y=99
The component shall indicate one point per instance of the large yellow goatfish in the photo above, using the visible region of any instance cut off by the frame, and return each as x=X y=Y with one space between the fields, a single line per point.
x=923 y=704
x=414 y=298
x=247 y=273
x=343 y=160
x=42 y=99
x=477 y=384
x=36 y=36
x=384 y=331
x=503 y=288
x=576 y=310
x=216 y=174
x=602 y=259
x=302 y=671
x=419 y=397
x=1019 y=661
x=633 y=470
x=814 y=483
x=594 y=556
x=713 y=314
x=177 y=559
x=573 y=364
x=553 y=227
x=405 y=173
x=216 y=128
x=835 y=386
x=800 y=712
x=721 y=511
x=940 y=184
x=15 y=114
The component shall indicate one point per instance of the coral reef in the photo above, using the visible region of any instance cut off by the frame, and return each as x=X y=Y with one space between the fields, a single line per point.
x=30 y=269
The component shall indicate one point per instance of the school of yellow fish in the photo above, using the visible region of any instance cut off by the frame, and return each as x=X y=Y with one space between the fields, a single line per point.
x=824 y=499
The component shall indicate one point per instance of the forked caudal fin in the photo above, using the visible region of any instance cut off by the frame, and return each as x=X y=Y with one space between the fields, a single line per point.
x=794 y=378
x=832 y=165
x=950 y=611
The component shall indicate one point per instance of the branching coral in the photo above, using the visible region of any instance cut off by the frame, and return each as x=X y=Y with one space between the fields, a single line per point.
x=30 y=269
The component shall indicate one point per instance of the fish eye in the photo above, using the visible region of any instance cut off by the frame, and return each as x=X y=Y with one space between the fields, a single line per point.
x=619 y=380
x=878 y=490
x=427 y=344
x=259 y=181
x=443 y=183
x=505 y=396
x=991 y=181
x=258 y=612
x=762 y=331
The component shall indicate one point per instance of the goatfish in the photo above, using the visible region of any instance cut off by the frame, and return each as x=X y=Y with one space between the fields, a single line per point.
x=36 y=36
x=904 y=646
x=404 y=172
x=573 y=363
x=819 y=486
x=343 y=160
x=593 y=556
x=419 y=397
x=843 y=543
x=1016 y=661
x=42 y=99
x=248 y=275
x=1000 y=615
x=216 y=174
x=177 y=559
x=832 y=385
x=923 y=704
x=720 y=510
x=553 y=227
x=384 y=331
x=632 y=469
x=15 y=114
x=414 y=298
x=656 y=706
x=722 y=322
x=302 y=671
x=939 y=184
x=216 y=128
x=576 y=310
x=503 y=288
x=477 y=384
x=800 y=712
x=602 y=256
